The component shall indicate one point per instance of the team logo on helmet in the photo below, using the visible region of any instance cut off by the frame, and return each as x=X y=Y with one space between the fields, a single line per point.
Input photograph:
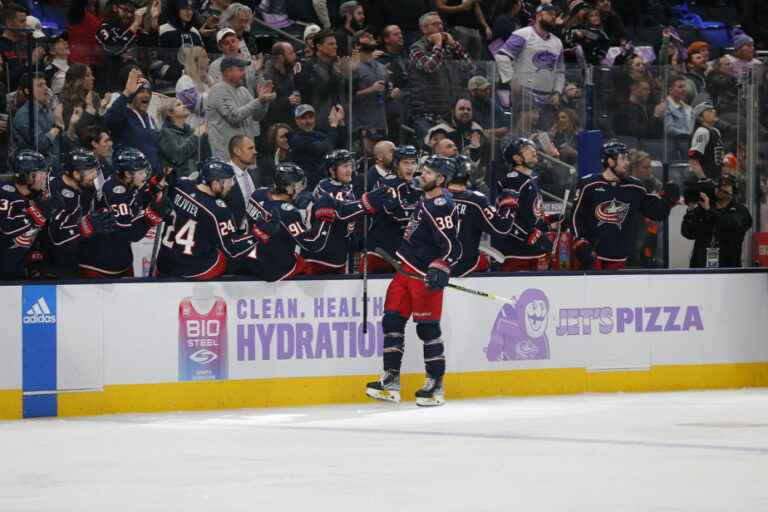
x=611 y=212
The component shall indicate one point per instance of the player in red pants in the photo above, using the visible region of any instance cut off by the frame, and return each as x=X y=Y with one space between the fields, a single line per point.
x=430 y=247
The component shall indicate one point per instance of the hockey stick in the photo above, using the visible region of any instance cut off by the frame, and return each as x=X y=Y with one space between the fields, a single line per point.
x=365 y=252
x=560 y=224
x=488 y=295
x=495 y=254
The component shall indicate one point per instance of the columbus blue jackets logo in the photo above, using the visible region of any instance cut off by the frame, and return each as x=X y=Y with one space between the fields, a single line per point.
x=538 y=207
x=611 y=212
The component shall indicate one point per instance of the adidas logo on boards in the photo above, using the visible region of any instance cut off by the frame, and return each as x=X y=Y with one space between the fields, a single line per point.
x=39 y=313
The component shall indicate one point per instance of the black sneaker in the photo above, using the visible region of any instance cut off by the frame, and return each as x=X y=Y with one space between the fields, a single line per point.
x=387 y=388
x=432 y=393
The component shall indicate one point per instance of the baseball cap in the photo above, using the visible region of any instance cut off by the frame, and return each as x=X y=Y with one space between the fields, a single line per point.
x=223 y=33
x=359 y=35
x=303 y=109
x=231 y=62
x=311 y=30
x=432 y=131
x=36 y=26
x=546 y=8
x=478 y=82
x=701 y=108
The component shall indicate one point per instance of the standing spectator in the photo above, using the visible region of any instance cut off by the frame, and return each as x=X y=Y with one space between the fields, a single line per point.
x=84 y=21
x=434 y=73
x=96 y=139
x=371 y=87
x=564 y=135
x=232 y=109
x=533 y=56
x=180 y=147
x=123 y=31
x=701 y=47
x=695 y=76
x=59 y=64
x=353 y=20
x=281 y=70
x=511 y=15
x=310 y=145
x=706 y=153
x=242 y=157
x=277 y=152
x=5 y=125
x=743 y=56
x=678 y=119
x=13 y=45
x=321 y=80
x=239 y=18
x=179 y=32
x=395 y=61
x=211 y=12
x=129 y=120
x=79 y=92
x=637 y=117
x=229 y=44
x=612 y=23
x=486 y=110
x=468 y=136
x=193 y=86
x=466 y=20
x=585 y=35
x=634 y=70
x=49 y=123
x=646 y=231
x=723 y=87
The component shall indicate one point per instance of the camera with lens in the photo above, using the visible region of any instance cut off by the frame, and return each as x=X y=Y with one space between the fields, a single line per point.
x=692 y=191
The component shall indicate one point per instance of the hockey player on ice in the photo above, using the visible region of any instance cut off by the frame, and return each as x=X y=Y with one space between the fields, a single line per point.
x=430 y=248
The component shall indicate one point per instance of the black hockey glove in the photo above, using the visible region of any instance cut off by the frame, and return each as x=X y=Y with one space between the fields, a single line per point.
x=583 y=254
x=375 y=200
x=100 y=223
x=437 y=275
x=158 y=210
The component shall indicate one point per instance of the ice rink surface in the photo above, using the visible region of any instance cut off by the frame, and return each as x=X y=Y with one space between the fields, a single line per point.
x=697 y=451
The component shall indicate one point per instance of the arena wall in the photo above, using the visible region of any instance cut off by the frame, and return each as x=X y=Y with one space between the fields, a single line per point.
x=130 y=347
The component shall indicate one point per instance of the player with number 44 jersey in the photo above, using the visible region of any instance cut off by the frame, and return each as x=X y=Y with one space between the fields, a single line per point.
x=430 y=248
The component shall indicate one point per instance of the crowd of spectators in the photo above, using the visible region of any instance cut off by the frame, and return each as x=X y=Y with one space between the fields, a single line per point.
x=184 y=79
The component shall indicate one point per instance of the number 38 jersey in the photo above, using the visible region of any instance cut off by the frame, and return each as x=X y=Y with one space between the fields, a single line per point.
x=431 y=234
x=201 y=236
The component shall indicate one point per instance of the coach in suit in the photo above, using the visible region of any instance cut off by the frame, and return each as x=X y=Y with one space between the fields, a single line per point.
x=242 y=157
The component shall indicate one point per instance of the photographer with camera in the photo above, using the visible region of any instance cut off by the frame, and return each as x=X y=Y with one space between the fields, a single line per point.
x=717 y=223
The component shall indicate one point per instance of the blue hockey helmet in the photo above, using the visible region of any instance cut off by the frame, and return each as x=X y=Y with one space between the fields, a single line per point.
x=27 y=161
x=214 y=169
x=81 y=159
x=336 y=158
x=287 y=174
x=405 y=153
x=442 y=165
x=515 y=147
x=130 y=160
x=612 y=149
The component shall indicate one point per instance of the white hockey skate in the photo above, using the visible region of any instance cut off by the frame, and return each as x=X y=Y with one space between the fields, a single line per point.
x=387 y=388
x=431 y=394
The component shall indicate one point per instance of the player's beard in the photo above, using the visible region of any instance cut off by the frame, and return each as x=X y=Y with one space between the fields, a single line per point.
x=428 y=186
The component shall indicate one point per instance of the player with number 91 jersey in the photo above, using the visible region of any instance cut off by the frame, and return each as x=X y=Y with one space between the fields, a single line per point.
x=201 y=236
